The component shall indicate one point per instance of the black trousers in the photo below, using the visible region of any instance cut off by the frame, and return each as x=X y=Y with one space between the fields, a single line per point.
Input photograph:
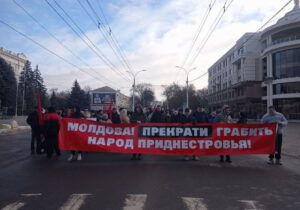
x=52 y=145
x=36 y=144
x=278 y=145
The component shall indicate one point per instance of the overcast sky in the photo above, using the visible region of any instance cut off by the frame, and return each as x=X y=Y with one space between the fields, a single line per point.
x=153 y=34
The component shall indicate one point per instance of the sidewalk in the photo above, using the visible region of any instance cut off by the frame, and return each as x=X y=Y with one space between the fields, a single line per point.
x=6 y=128
x=291 y=140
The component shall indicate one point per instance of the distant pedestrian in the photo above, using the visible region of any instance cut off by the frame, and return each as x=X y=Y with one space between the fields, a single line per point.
x=115 y=116
x=212 y=117
x=275 y=117
x=200 y=116
x=51 y=125
x=157 y=115
x=124 y=117
x=105 y=118
x=33 y=121
x=242 y=118
x=225 y=117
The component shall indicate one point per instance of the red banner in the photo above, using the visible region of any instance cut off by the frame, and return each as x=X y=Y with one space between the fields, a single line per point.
x=168 y=138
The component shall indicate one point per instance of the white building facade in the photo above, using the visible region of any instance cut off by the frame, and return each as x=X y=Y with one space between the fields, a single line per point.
x=281 y=64
x=16 y=60
x=235 y=79
x=262 y=69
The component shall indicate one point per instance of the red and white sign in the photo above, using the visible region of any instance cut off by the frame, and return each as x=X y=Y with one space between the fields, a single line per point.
x=168 y=138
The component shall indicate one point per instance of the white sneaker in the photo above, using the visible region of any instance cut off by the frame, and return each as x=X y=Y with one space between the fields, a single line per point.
x=70 y=158
x=79 y=157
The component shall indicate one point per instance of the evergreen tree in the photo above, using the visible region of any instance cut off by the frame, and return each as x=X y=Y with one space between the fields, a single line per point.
x=8 y=87
x=53 y=100
x=39 y=84
x=27 y=85
x=78 y=97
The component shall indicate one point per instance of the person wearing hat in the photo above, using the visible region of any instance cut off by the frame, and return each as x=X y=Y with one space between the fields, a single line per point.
x=225 y=117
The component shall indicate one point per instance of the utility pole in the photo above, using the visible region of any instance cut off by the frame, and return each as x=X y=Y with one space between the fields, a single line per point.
x=133 y=86
x=187 y=82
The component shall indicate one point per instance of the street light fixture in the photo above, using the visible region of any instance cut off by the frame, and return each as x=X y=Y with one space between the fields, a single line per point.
x=187 y=82
x=133 y=86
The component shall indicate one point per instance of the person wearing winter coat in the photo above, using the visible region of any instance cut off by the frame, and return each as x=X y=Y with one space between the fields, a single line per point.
x=138 y=116
x=224 y=117
x=188 y=118
x=78 y=115
x=33 y=121
x=115 y=116
x=200 y=116
x=51 y=125
x=157 y=115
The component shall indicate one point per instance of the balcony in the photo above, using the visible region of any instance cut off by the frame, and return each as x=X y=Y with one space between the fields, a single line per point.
x=292 y=40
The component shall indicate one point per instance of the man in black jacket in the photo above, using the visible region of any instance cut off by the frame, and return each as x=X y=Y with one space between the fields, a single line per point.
x=157 y=116
x=33 y=121
x=115 y=116
x=200 y=116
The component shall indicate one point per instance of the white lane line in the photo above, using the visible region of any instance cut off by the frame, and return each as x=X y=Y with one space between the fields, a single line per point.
x=31 y=194
x=251 y=205
x=74 y=202
x=135 y=202
x=14 y=206
x=194 y=203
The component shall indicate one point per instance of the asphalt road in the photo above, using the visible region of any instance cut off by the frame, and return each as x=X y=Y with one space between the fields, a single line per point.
x=112 y=181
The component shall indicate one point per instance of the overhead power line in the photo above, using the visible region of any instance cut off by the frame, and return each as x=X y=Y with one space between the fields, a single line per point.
x=200 y=27
x=91 y=45
x=213 y=28
x=108 y=35
x=259 y=29
x=48 y=50
x=61 y=43
x=109 y=29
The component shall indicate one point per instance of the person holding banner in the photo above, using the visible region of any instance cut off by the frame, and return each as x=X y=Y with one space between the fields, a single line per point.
x=76 y=114
x=275 y=117
x=188 y=118
x=138 y=116
x=225 y=117
x=157 y=115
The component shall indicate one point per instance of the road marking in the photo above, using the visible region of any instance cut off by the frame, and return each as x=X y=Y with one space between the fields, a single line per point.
x=31 y=194
x=14 y=206
x=250 y=204
x=135 y=202
x=194 y=203
x=74 y=202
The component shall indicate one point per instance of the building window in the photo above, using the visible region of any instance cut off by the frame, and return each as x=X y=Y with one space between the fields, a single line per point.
x=286 y=64
x=241 y=50
x=283 y=88
x=264 y=67
x=264 y=91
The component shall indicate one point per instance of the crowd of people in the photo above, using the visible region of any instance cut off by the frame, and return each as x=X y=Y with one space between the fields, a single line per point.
x=49 y=129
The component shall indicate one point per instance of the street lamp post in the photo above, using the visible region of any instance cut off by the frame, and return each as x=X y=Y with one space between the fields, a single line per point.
x=133 y=86
x=187 y=82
